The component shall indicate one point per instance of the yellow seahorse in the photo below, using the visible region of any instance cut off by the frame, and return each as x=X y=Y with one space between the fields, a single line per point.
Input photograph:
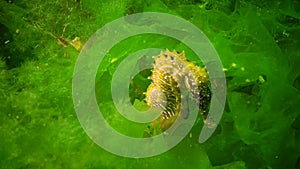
x=170 y=70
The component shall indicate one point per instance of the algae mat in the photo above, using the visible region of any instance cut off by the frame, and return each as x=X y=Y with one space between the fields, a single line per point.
x=258 y=45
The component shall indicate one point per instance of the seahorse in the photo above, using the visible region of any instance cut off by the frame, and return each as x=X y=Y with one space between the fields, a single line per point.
x=171 y=69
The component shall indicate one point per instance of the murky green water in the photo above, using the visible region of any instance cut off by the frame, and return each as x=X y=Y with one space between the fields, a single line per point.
x=258 y=44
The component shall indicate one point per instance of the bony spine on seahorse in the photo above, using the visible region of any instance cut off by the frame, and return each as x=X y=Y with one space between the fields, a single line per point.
x=170 y=71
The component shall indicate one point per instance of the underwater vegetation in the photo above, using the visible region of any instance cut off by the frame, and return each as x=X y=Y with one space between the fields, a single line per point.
x=258 y=44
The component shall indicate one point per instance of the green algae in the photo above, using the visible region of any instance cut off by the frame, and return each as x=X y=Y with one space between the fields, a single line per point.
x=257 y=42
